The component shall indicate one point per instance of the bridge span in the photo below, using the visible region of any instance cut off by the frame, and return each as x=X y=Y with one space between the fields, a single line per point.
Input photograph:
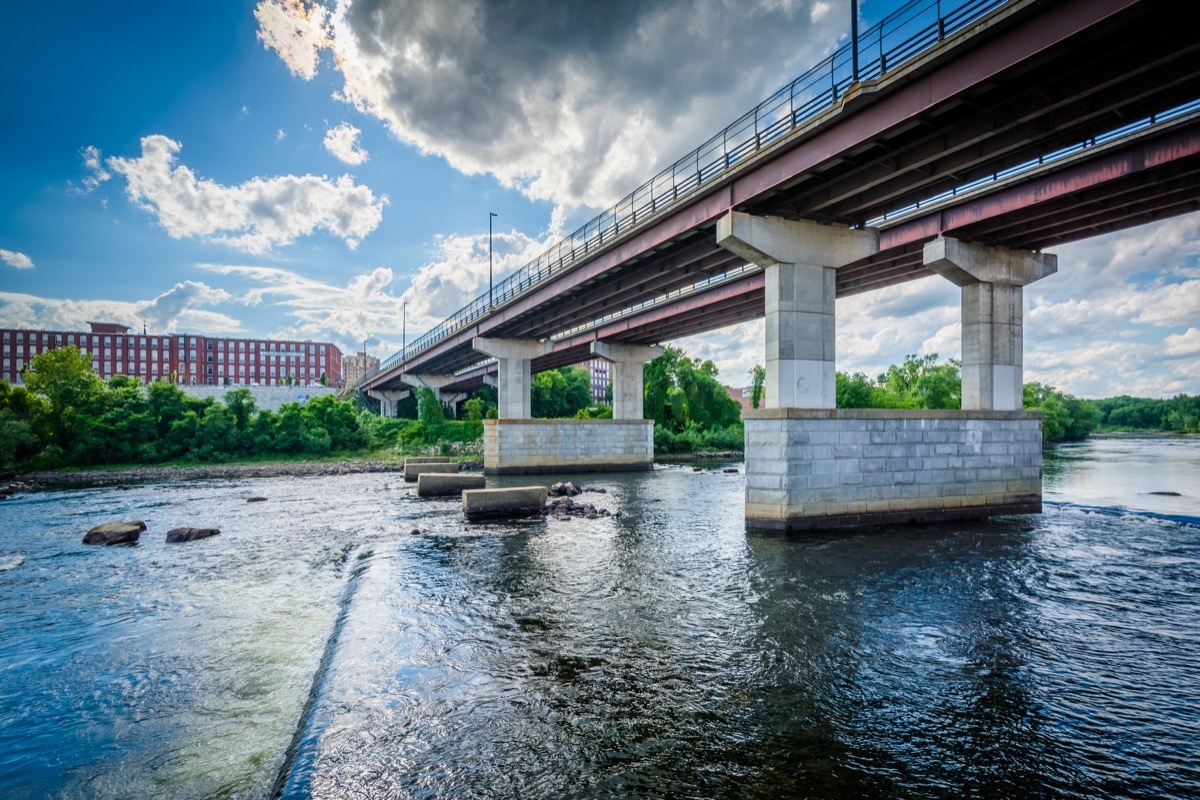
x=973 y=135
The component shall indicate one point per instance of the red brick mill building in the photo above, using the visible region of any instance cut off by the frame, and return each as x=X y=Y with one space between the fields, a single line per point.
x=181 y=358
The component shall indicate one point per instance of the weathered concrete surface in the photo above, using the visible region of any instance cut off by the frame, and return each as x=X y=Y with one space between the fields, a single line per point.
x=426 y=460
x=812 y=469
x=627 y=375
x=413 y=471
x=119 y=532
x=799 y=260
x=435 y=484
x=513 y=376
x=992 y=281
x=518 y=501
x=567 y=445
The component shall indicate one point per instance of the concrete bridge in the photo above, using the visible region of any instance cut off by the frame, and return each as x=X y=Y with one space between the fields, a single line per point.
x=957 y=139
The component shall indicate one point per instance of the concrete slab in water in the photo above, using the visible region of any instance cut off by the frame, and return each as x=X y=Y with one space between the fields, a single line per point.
x=437 y=484
x=516 y=501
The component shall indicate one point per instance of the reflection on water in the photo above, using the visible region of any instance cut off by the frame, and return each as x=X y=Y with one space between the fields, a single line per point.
x=662 y=654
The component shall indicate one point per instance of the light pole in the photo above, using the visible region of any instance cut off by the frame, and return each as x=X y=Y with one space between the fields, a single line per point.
x=491 y=214
x=854 y=41
x=403 y=334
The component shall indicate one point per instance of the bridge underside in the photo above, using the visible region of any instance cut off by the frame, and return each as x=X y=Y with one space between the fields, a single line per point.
x=1043 y=124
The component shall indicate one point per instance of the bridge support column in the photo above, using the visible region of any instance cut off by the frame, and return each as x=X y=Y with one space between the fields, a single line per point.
x=434 y=382
x=628 y=383
x=388 y=398
x=513 y=375
x=992 y=281
x=799 y=260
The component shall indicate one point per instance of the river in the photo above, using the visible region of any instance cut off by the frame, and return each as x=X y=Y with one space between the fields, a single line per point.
x=346 y=639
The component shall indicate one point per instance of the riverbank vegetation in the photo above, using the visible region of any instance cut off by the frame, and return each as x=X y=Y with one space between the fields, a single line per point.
x=65 y=415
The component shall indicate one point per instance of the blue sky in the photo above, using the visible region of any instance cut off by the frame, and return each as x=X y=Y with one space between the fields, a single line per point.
x=288 y=169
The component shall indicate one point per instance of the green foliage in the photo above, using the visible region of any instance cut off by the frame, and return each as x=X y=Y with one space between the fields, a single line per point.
x=758 y=379
x=595 y=412
x=429 y=408
x=16 y=437
x=679 y=392
x=1064 y=417
x=1179 y=414
x=560 y=393
x=473 y=409
x=693 y=439
x=920 y=382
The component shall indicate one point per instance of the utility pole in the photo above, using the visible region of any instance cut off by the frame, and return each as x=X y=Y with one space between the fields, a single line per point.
x=854 y=41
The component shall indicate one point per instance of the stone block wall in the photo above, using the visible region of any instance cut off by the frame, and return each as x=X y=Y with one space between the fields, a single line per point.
x=809 y=469
x=514 y=446
x=270 y=398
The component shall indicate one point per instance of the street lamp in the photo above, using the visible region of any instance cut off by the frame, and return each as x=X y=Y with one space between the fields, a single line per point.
x=854 y=41
x=490 y=215
x=403 y=334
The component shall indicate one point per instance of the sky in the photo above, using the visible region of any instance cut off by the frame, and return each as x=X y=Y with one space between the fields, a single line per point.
x=326 y=171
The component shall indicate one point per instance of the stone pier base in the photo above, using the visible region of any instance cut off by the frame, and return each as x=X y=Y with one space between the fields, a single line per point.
x=525 y=446
x=809 y=469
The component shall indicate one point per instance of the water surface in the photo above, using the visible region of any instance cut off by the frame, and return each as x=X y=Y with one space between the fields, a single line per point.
x=662 y=654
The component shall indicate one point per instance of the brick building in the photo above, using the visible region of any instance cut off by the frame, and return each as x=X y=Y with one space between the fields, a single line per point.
x=601 y=375
x=356 y=366
x=182 y=358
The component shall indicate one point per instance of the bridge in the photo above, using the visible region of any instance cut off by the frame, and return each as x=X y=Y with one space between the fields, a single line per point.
x=957 y=138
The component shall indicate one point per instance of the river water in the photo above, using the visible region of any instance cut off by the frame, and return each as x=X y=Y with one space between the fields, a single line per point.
x=319 y=647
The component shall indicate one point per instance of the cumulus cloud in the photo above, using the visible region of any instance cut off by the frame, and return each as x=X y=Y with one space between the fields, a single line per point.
x=576 y=103
x=370 y=305
x=179 y=308
x=296 y=31
x=253 y=216
x=16 y=260
x=342 y=141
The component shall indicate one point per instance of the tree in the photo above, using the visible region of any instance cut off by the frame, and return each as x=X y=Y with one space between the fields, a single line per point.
x=758 y=379
x=16 y=437
x=1064 y=417
x=65 y=378
x=429 y=408
x=560 y=393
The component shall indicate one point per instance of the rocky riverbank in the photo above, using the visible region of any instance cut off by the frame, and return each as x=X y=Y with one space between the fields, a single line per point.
x=160 y=473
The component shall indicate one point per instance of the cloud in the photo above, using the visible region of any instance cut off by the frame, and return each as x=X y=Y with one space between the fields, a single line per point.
x=1180 y=345
x=16 y=260
x=253 y=216
x=342 y=141
x=280 y=135
x=368 y=304
x=576 y=103
x=179 y=308
x=295 y=31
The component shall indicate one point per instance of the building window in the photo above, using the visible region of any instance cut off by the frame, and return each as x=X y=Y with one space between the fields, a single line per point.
x=210 y=369
x=209 y=343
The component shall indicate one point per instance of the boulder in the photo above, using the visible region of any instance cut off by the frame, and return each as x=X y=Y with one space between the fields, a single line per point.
x=190 y=534
x=121 y=532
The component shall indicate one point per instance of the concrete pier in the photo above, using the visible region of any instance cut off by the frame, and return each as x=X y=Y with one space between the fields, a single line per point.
x=426 y=460
x=519 y=501
x=530 y=446
x=437 y=484
x=414 y=471
x=814 y=469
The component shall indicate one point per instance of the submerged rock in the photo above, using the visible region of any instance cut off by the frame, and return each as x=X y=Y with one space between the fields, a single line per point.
x=190 y=534
x=121 y=532
x=1167 y=494
x=256 y=499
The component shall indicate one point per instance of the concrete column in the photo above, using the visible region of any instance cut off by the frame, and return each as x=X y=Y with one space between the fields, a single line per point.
x=800 y=259
x=388 y=398
x=434 y=382
x=992 y=281
x=628 y=384
x=513 y=377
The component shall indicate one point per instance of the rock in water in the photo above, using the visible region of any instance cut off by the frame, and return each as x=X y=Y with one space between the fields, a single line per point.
x=190 y=534
x=1167 y=494
x=123 y=532
x=256 y=499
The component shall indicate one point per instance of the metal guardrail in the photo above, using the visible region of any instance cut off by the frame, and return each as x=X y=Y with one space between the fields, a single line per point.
x=908 y=32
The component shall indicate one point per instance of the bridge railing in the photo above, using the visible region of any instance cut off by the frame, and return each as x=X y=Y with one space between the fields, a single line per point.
x=904 y=34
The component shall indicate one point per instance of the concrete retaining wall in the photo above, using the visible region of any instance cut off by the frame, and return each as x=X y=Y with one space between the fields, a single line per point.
x=270 y=398
x=516 y=446
x=809 y=469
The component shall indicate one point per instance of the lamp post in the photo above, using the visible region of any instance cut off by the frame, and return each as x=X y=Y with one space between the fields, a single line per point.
x=403 y=334
x=854 y=41
x=491 y=214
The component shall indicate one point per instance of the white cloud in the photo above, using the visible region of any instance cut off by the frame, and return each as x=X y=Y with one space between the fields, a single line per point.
x=575 y=103
x=91 y=161
x=179 y=308
x=342 y=141
x=1183 y=344
x=296 y=31
x=16 y=260
x=253 y=216
x=280 y=135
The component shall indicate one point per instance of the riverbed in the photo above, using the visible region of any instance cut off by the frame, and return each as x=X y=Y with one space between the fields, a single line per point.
x=345 y=638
